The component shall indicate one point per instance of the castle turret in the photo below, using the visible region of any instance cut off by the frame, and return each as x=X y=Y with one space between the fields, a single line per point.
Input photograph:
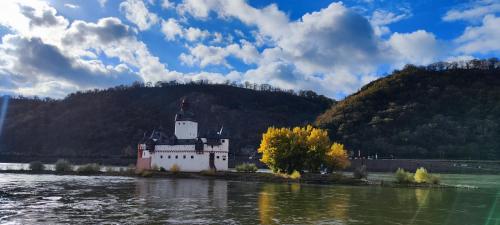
x=185 y=125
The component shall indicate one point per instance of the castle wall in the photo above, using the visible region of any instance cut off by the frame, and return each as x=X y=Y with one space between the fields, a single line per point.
x=143 y=163
x=189 y=161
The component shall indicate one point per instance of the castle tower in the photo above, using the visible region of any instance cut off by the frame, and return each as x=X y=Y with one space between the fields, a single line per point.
x=185 y=125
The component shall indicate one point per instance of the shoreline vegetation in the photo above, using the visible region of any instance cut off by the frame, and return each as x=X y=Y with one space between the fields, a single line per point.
x=252 y=176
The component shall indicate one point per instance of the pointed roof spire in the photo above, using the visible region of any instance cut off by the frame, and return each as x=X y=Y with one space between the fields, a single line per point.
x=184 y=104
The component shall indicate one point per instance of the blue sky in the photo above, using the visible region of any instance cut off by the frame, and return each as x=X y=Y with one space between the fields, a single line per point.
x=52 y=48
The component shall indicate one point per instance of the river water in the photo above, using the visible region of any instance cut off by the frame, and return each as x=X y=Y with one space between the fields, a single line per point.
x=53 y=199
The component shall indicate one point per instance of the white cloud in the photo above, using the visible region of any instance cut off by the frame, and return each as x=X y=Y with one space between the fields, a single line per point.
x=197 y=8
x=333 y=50
x=102 y=3
x=474 y=11
x=71 y=6
x=137 y=13
x=67 y=58
x=239 y=33
x=483 y=39
x=330 y=42
x=206 y=55
x=419 y=47
x=167 y=4
x=218 y=38
x=381 y=18
x=203 y=55
x=194 y=34
x=172 y=29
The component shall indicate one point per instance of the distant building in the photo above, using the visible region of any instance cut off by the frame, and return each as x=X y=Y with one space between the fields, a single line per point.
x=185 y=148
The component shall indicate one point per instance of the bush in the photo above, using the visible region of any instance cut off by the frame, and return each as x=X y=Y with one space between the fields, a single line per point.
x=435 y=179
x=37 y=166
x=404 y=177
x=295 y=175
x=360 y=172
x=63 y=165
x=175 y=168
x=145 y=173
x=162 y=169
x=89 y=168
x=210 y=172
x=421 y=175
x=247 y=168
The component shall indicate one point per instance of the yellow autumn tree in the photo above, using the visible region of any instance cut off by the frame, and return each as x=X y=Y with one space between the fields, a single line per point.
x=288 y=150
x=318 y=144
x=336 y=157
x=283 y=150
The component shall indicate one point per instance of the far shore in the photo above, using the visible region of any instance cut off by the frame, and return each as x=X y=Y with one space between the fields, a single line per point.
x=306 y=178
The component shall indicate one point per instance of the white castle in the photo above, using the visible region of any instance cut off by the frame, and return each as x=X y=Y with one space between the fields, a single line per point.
x=185 y=148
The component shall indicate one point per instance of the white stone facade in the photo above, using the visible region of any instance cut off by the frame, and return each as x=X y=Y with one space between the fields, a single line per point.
x=186 y=129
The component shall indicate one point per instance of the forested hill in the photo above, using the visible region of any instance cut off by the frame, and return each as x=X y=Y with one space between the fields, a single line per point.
x=444 y=110
x=109 y=123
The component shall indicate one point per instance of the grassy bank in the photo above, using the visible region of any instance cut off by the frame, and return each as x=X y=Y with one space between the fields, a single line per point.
x=223 y=175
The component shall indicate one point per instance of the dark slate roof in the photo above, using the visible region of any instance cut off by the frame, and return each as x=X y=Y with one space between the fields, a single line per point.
x=158 y=137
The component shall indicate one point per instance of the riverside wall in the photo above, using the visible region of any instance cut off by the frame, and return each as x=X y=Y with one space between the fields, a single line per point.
x=432 y=165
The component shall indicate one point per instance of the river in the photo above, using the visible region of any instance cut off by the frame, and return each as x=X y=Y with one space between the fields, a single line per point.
x=53 y=199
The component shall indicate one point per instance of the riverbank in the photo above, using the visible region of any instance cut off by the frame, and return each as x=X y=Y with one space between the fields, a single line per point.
x=307 y=178
x=432 y=165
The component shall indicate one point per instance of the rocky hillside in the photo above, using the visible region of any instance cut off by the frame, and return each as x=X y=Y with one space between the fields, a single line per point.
x=109 y=123
x=441 y=111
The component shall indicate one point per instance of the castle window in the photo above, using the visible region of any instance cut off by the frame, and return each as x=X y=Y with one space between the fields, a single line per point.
x=217 y=156
x=169 y=156
x=176 y=156
x=223 y=140
x=161 y=156
x=184 y=156
x=192 y=157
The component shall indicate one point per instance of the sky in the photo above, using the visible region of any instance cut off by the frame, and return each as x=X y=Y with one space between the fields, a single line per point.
x=53 y=48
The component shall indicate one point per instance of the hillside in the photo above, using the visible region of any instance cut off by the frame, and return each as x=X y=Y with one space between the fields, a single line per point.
x=108 y=124
x=441 y=111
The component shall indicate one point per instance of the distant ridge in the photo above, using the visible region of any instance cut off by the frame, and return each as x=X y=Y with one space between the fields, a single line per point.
x=100 y=124
x=444 y=110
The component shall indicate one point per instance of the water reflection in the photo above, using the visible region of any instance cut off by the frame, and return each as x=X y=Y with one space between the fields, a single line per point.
x=187 y=195
x=50 y=199
x=293 y=203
